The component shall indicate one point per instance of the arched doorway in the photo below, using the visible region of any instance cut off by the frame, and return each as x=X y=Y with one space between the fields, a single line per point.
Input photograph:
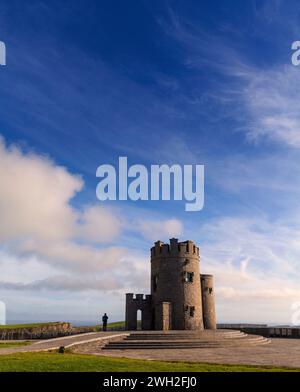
x=139 y=316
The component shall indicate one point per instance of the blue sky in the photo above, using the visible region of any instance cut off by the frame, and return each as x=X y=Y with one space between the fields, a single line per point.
x=159 y=82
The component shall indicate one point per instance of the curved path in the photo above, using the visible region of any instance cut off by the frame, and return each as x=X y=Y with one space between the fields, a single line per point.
x=66 y=341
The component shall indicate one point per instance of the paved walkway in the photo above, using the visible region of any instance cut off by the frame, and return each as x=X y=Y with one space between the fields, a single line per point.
x=280 y=352
x=66 y=341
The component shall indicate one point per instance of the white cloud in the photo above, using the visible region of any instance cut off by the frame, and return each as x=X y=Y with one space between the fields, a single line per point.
x=99 y=224
x=154 y=230
x=38 y=219
x=71 y=255
x=34 y=197
x=127 y=271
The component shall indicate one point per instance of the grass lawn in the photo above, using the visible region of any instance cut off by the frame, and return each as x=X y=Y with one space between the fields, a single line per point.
x=120 y=324
x=116 y=324
x=33 y=325
x=13 y=344
x=38 y=362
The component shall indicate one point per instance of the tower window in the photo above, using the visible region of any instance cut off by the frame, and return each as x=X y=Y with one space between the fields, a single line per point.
x=189 y=277
x=192 y=311
x=155 y=282
x=209 y=290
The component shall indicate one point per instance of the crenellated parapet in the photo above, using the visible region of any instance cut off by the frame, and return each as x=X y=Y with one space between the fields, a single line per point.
x=138 y=299
x=175 y=248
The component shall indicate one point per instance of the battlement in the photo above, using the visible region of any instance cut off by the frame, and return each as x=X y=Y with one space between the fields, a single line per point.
x=174 y=248
x=138 y=297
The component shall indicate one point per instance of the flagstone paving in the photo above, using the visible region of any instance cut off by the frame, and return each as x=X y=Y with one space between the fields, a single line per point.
x=280 y=352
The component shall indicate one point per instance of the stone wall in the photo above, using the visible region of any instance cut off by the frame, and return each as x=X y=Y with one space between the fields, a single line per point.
x=133 y=304
x=36 y=332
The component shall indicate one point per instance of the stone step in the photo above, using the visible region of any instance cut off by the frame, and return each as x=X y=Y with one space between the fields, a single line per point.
x=240 y=339
x=184 y=336
x=188 y=332
x=186 y=339
x=191 y=341
x=180 y=346
x=205 y=331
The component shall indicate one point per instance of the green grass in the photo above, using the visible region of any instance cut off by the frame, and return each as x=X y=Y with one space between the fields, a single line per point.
x=50 y=362
x=120 y=324
x=33 y=325
x=113 y=325
x=116 y=324
x=13 y=344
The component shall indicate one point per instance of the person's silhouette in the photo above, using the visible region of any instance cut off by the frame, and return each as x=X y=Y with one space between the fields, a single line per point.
x=104 y=322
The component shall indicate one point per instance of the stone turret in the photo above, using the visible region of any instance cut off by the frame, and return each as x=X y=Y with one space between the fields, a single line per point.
x=208 y=301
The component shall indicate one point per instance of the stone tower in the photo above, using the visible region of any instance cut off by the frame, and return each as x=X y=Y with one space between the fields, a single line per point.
x=181 y=298
x=175 y=282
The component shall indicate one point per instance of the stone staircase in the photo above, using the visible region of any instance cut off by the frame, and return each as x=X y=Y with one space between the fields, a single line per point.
x=186 y=340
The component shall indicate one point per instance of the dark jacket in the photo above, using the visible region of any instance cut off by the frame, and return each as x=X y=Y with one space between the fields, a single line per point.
x=104 y=319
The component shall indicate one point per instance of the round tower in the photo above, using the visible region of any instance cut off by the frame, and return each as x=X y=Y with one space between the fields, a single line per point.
x=208 y=302
x=175 y=286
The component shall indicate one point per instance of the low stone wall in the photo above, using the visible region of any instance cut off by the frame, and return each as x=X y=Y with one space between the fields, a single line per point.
x=270 y=332
x=240 y=325
x=36 y=332
x=78 y=330
x=275 y=332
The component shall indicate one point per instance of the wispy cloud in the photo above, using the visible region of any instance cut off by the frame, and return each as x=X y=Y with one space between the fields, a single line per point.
x=265 y=97
x=272 y=99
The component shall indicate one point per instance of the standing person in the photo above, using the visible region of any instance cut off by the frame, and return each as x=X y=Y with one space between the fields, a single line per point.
x=104 y=322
